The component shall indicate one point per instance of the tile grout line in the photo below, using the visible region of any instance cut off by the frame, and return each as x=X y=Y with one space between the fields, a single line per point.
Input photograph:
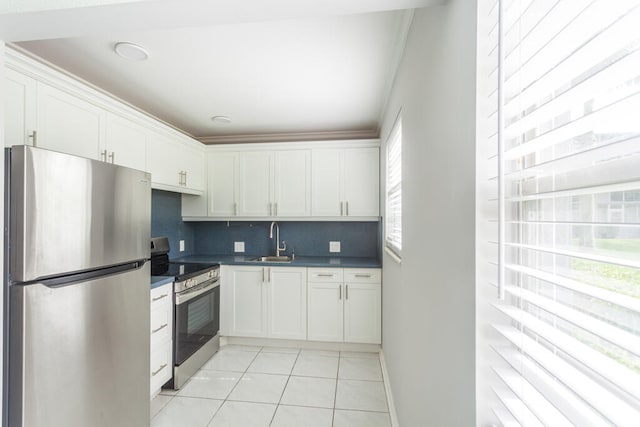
x=234 y=387
x=335 y=394
x=285 y=387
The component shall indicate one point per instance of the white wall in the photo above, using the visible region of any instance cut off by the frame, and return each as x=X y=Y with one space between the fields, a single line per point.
x=2 y=221
x=428 y=300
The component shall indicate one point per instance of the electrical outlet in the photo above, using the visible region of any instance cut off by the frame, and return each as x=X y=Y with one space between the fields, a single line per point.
x=334 y=246
x=181 y=245
x=238 y=246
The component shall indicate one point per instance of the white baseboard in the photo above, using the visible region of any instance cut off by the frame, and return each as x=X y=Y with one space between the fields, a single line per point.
x=387 y=388
x=310 y=345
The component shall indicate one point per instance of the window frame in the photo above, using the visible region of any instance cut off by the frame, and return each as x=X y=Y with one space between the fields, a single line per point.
x=393 y=190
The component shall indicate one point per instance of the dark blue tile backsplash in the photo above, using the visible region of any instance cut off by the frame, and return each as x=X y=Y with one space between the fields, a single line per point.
x=166 y=220
x=306 y=238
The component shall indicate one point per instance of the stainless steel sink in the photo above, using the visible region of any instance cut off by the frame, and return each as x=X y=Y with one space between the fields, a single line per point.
x=273 y=258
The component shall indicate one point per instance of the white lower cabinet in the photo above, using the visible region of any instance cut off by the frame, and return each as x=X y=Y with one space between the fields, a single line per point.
x=287 y=303
x=344 y=305
x=245 y=301
x=161 y=341
x=269 y=302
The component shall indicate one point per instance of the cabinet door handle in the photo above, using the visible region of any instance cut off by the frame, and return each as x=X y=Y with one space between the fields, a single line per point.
x=164 y=365
x=160 y=297
x=341 y=208
x=34 y=138
x=103 y=155
x=263 y=274
x=346 y=291
x=269 y=269
x=160 y=328
x=340 y=292
x=112 y=157
x=185 y=178
x=346 y=204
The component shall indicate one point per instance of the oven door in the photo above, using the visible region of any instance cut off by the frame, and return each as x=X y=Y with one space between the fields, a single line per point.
x=197 y=319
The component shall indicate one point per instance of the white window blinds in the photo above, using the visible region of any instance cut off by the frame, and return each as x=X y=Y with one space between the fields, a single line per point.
x=559 y=213
x=393 y=221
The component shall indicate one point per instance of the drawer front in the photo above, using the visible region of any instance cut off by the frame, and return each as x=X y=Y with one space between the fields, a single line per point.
x=161 y=366
x=161 y=296
x=362 y=275
x=161 y=324
x=326 y=275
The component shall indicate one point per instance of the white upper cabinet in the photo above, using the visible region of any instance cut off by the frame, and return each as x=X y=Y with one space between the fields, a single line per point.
x=223 y=184
x=69 y=124
x=255 y=183
x=361 y=182
x=192 y=161
x=48 y=109
x=126 y=143
x=175 y=166
x=327 y=179
x=345 y=182
x=292 y=183
x=19 y=109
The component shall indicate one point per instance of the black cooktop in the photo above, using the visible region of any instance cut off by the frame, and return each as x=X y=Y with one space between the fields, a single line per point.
x=161 y=266
x=179 y=270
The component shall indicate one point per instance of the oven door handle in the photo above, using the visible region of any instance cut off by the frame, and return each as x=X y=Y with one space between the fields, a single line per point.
x=183 y=297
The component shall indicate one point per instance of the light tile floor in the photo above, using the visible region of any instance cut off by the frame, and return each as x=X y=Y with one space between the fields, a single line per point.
x=243 y=386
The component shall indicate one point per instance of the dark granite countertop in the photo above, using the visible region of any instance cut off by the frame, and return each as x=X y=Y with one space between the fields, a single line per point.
x=299 y=261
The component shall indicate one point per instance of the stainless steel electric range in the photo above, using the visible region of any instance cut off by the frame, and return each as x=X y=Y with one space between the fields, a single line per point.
x=196 y=310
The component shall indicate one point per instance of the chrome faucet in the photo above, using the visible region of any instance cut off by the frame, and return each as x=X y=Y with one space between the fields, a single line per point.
x=284 y=244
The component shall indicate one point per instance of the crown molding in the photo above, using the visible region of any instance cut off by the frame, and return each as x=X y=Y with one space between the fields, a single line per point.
x=289 y=137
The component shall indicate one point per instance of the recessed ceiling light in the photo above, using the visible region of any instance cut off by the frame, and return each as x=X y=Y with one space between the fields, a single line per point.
x=221 y=120
x=131 y=51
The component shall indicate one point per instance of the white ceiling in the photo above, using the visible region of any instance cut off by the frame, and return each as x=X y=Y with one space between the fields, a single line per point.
x=306 y=72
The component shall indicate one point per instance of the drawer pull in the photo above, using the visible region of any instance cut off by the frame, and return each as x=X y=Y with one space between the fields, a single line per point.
x=363 y=275
x=160 y=297
x=153 y=374
x=324 y=275
x=160 y=328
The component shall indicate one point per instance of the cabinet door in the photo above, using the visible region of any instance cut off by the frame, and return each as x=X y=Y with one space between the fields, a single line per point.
x=326 y=182
x=161 y=161
x=126 y=143
x=292 y=183
x=19 y=108
x=255 y=184
x=192 y=162
x=325 y=317
x=361 y=182
x=362 y=316
x=246 y=302
x=69 y=124
x=287 y=303
x=223 y=184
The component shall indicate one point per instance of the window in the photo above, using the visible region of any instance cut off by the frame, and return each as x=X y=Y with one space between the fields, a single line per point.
x=558 y=255
x=393 y=224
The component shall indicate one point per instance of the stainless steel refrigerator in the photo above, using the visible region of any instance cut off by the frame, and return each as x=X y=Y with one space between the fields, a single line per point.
x=77 y=278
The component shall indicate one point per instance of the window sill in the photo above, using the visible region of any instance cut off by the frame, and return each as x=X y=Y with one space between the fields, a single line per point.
x=393 y=255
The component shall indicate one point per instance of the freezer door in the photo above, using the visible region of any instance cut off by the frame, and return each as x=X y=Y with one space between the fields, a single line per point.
x=79 y=354
x=70 y=214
